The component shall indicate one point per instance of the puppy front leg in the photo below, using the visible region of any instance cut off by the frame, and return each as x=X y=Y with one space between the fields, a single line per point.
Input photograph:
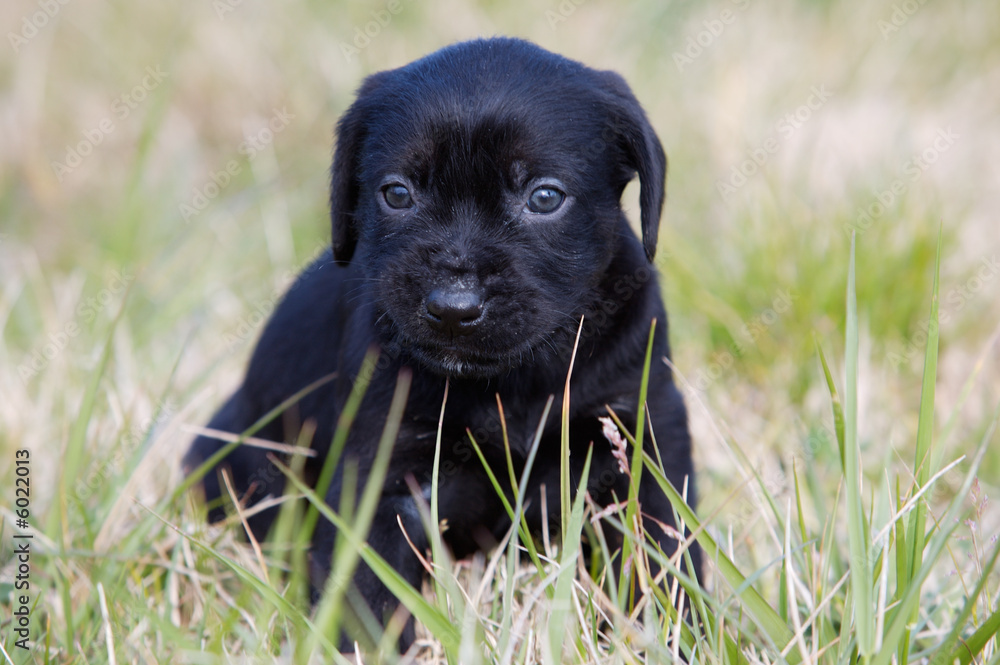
x=368 y=598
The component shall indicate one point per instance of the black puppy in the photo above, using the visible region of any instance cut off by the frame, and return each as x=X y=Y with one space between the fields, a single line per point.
x=476 y=213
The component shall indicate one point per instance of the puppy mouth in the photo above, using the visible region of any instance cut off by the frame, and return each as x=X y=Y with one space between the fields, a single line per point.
x=480 y=352
x=458 y=360
x=459 y=330
x=461 y=327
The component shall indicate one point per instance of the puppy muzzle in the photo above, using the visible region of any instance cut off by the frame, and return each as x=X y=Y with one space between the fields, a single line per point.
x=454 y=311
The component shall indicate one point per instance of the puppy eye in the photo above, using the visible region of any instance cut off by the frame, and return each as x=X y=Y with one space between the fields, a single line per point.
x=397 y=196
x=545 y=200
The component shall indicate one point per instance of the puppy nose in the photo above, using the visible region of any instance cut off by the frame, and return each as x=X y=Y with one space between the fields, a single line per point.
x=454 y=311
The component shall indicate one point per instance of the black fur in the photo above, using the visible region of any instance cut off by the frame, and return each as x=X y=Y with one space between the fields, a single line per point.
x=469 y=285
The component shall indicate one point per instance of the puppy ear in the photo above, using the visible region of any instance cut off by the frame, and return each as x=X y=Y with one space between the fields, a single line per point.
x=352 y=130
x=643 y=154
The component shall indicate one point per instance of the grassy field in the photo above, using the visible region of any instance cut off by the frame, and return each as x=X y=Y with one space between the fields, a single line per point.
x=163 y=175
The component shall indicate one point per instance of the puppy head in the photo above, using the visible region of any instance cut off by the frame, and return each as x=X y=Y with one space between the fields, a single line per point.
x=480 y=188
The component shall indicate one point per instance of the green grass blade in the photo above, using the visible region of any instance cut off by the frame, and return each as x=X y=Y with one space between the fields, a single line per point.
x=286 y=529
x=561 y=601
x=287 y=609
x=72 y=457
x=344 y=422
x=858 y=533
x=925 y=424
x=197 y=474
x=640 y=429
x=902 y=547
x=439 y=624
x=516 y=512
x=632 y=507
x=939 y=540
x=434 y=532
x=763 y=614
x=838 y=411
x=801 y=515
x=522 y=488
x=346 y=554
x=973 y=646
x=950 y=650
x=564 y=481
x=965 y=393
x=765 y=494
x=447 y=590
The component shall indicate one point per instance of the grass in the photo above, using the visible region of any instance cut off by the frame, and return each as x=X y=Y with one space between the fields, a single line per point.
x=845 y=446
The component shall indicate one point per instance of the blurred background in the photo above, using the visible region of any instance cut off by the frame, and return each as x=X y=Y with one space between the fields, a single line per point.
x=163 y=173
